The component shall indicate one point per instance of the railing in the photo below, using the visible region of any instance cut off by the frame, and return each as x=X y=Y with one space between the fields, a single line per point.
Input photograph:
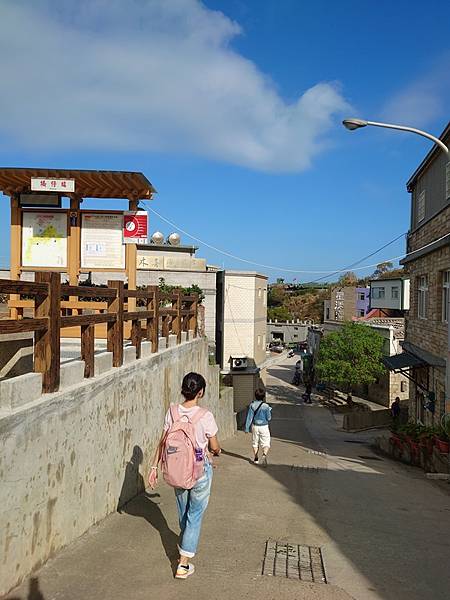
x=163 y=314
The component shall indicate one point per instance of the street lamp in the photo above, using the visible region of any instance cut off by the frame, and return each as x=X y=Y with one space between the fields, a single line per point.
x=353 y=124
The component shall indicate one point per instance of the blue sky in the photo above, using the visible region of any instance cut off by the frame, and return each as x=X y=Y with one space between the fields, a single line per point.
x=232 y=109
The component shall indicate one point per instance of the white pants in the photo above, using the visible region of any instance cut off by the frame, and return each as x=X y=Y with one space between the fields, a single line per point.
x=260 y=436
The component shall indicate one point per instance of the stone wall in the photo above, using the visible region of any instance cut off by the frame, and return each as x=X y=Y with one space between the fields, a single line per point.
x=68 y=459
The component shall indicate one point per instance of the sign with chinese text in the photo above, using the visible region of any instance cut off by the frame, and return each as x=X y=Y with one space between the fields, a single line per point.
x=44 y=239
x=52 y=185
x=101 y=241
x=135 y=227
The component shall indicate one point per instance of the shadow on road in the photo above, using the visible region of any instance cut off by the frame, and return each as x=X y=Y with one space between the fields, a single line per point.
x=34 y=592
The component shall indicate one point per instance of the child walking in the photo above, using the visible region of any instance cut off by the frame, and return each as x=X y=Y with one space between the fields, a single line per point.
x=192 y=501
x=258 y=417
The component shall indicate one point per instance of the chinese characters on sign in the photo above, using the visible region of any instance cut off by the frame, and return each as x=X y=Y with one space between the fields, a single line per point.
x=52 y=185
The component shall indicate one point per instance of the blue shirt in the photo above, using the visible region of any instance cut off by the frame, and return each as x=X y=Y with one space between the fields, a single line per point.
x=263 y=415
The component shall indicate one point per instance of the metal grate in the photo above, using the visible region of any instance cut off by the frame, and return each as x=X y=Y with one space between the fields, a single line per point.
x=294 y=561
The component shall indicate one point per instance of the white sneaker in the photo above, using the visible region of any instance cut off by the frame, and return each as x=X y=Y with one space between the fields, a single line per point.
x=184 y=572
x=264 y=460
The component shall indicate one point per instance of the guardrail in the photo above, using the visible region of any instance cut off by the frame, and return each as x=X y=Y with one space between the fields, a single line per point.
x=163 y=314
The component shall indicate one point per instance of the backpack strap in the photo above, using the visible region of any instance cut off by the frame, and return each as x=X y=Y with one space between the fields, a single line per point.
x=198 y=415
x=174 y=412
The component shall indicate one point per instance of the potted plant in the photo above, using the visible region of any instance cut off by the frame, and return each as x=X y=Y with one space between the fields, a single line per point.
x=442 y=441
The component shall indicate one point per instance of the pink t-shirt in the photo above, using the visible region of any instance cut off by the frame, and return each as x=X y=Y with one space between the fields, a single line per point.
x=204 y=429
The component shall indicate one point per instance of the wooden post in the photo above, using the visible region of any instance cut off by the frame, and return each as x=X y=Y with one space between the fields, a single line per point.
x=74 y=264
x=136 y=336
x=15 y=247
x=153 y=323
x=88 y=349
x=115 y=329
x=131 y=260
x=193 y=321
x=176 y=322
x=47 y=353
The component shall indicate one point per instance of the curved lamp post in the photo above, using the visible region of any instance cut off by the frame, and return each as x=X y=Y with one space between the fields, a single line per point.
x=353 y=124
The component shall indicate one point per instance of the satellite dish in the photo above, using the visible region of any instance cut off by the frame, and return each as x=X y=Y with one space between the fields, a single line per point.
x=158 y=238
x=174 y=239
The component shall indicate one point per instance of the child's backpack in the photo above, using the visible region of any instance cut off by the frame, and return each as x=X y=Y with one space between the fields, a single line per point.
x=182 y=462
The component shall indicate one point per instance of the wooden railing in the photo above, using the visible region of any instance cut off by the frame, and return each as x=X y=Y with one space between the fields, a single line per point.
x=162 y=315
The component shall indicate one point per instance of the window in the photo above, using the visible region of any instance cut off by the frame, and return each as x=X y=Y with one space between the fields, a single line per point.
x=361 y=296
x=327 y=314
x=361 y=312
x=296 y=328
x=265 y=297
x=403 y=386
x=422 y=297
x=445 y=294
x=259 y=293
x=394 y=293
x=259 y=340
x=421 y=206
x=378 y=293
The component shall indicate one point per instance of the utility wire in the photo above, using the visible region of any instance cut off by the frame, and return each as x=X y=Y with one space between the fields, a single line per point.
x=271 y=267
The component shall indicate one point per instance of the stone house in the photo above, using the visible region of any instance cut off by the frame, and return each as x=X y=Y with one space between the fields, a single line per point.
x=345 y=303
x=428 y=264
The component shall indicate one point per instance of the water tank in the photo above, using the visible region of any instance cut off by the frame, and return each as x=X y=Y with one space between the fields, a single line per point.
x=158 y=238
x=174 y=239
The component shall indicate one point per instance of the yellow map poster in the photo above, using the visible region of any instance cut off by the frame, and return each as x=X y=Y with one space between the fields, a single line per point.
x=44 y=239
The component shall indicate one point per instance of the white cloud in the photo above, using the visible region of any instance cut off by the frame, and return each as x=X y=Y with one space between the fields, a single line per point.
x=149 y=75
x=424 y=100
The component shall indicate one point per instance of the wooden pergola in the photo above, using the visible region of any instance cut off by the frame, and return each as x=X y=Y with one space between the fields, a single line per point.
x=132 y=186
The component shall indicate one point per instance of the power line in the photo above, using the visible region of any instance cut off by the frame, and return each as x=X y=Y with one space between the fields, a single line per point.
x=271 y=267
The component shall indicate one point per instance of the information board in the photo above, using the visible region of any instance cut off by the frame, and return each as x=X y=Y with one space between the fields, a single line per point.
x=102 y=241
x=44 y=239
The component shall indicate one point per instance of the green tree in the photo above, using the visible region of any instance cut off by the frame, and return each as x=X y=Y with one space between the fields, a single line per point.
x=382 y=268
x=348 y=279
x=351 y=356
x=281 y=313
x=276 y=296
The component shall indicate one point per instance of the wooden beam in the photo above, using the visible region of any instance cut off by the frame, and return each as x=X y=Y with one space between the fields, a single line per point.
x=22 y=287
x=15 y=245
x=47 y=342
x=81 y=320
x=86 y=292
x=22 y=325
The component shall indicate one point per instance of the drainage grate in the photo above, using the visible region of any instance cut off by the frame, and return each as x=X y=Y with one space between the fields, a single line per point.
x=354 y=441
x=294 y=561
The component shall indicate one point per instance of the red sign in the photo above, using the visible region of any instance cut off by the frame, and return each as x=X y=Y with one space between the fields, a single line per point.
x=135 y=227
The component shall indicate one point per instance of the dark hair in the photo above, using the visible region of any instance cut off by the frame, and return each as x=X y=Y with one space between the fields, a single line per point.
x=192 y=384
x=260 y=394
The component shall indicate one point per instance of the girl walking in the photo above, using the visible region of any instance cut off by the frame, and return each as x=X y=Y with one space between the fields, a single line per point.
x=190 y=433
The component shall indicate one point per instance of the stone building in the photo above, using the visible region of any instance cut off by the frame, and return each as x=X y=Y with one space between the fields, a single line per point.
x=289 y=333
x=428 y=264
x=345 y=303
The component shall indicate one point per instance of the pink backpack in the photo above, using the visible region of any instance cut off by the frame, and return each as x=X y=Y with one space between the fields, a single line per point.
x=180 y=466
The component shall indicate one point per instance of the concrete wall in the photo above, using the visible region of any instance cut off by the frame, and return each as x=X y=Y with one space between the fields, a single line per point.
x=292 y=332
x=67 y=459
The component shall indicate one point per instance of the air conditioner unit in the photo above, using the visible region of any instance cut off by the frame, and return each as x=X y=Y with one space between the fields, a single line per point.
x=238 y=363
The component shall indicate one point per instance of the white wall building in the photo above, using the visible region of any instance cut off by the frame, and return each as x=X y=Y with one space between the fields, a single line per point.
x=241 y=316
x=391 y=294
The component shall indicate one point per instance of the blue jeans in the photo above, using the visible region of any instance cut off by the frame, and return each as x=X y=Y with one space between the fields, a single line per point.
x=191 y=506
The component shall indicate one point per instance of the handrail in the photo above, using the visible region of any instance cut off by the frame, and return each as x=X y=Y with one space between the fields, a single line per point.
x=161 y=314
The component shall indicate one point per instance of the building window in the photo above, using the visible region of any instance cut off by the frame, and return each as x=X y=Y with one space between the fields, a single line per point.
x=265 y=297
x=361 y=312
x=361 y=296
x=327 y=314
x=394 y=293
x=296 y=335
x=422 y=297
x=259 y=340
x=403 y=386
x=378 y=293
x=421 y=206
x=259 y=293
x=445 y=294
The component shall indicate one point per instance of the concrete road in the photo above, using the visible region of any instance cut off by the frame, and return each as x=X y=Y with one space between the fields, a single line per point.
x=383 y=529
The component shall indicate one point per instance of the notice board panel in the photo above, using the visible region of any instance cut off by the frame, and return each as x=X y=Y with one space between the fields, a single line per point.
x=44 y=239
x=102 y=241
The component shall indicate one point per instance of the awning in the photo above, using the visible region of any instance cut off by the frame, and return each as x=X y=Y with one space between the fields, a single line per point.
x=405 y=360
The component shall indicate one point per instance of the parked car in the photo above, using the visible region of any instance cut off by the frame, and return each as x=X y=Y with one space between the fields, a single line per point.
x=277 y=349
